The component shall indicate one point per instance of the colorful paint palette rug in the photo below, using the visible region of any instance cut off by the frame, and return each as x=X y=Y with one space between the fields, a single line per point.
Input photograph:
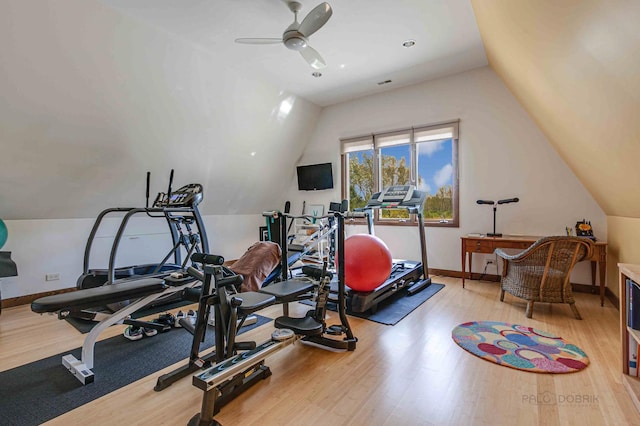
x=519 y=346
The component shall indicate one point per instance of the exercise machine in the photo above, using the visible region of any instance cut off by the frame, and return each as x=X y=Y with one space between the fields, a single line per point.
x=218 y=282
x=236 y=371
x=179 y=208
x=323 y=235
x=409 y=274
x=141 y=293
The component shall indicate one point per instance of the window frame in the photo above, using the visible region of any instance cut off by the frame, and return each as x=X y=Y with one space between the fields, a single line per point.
x=372 y=142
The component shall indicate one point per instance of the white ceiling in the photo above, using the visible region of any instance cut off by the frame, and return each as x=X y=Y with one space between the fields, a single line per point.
x=361 y=43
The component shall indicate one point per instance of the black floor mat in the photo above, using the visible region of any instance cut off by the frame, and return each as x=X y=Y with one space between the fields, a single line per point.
x=391 y=310
x=37 y=392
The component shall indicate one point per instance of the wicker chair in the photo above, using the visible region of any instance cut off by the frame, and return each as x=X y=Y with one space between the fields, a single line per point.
x=541 y=273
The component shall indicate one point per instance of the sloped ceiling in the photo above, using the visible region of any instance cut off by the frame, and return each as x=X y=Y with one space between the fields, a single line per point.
x=361 y=43
x=96 y=93
x=92 y=100
x=574 y=65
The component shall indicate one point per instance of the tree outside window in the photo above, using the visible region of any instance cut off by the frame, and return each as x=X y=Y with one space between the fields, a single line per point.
x=425 y=157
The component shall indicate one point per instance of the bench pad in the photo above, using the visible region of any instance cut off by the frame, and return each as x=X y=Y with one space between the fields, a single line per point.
x=288 y=291
x=98 y=296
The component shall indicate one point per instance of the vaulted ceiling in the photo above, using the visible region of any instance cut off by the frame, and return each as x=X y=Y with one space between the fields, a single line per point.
x=95 y=93
x=574 y=65
x=361 y=43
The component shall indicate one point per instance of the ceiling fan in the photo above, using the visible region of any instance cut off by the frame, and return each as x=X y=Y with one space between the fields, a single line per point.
x=295 y=37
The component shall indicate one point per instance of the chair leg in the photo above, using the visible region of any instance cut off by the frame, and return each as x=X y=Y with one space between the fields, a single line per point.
x=529 y=311
x=575 y=311
x=502 y=296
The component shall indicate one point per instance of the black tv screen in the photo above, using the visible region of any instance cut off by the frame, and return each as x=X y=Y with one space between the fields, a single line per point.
x=315 y=177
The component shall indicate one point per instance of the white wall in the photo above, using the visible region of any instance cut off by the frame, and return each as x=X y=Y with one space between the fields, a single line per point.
x=502 y=154
x=41 y=247
x=92 y=99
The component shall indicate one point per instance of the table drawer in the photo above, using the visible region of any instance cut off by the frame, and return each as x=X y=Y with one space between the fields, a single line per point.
x=481 y=246
x=516 y=245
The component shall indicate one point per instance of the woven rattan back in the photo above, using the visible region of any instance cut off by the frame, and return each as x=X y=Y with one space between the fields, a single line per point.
x=542 y=272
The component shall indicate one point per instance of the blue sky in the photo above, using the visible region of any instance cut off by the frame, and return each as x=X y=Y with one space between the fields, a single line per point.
x=434 y=163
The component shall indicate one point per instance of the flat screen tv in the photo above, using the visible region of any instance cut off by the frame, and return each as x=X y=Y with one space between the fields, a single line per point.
x=315 y=177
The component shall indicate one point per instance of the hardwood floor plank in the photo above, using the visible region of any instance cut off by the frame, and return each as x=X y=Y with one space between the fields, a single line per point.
x=409 y=374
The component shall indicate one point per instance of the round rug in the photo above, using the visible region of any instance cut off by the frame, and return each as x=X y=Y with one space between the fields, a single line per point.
x=521 y=347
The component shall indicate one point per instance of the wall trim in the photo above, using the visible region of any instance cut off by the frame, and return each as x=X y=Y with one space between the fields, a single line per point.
x=27 y=299
x=580 y=288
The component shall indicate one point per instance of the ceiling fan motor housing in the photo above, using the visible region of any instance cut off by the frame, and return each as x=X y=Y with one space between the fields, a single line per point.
x=294 y=40
x=295 y=36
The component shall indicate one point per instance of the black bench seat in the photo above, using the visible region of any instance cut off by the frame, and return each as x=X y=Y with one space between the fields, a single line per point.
x=288 y=291
x=253 y=301
x=98 y=296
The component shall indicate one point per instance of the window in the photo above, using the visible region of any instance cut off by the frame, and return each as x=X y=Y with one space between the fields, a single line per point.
x=425 y=156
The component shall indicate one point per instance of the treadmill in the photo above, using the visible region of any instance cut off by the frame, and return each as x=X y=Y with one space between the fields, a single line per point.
x=410 y=274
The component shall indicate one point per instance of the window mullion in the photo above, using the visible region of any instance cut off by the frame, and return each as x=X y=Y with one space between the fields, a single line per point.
x=415 y=145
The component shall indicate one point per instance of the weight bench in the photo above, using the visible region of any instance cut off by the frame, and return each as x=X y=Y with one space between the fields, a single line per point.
x=144 y=291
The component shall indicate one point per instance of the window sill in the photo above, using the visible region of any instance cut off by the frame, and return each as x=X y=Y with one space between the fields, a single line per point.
x=449 y=224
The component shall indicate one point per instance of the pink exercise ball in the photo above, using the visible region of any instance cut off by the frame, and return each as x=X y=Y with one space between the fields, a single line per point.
x=367 y=262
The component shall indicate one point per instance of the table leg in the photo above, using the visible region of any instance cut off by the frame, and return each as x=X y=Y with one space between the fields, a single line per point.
x=602 y=268
x=593 y=276
x=464 y=261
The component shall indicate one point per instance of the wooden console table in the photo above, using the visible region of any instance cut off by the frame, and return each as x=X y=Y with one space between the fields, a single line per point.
x=478 y=244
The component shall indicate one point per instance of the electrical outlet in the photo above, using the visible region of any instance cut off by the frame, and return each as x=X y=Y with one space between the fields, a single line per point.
x=488 y=262
x=52 y=277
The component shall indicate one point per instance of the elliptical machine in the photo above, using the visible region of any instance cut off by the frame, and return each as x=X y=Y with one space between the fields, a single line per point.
x=179 y=208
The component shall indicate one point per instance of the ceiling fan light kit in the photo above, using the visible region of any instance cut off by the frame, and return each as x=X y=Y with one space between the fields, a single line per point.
x=294 y=40
x=296 y=36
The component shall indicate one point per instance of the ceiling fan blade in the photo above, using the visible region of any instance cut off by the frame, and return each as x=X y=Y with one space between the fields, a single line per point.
x=313 y=58
x=259 y=40
x=315 y=19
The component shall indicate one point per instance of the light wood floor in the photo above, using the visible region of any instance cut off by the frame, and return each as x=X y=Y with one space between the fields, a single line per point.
x=409 y=374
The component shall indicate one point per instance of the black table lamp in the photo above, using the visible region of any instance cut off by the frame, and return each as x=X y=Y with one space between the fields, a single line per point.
x=495 y=206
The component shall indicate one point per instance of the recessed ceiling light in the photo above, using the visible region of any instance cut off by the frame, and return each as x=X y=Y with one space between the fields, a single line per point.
x=409 y=43
x=316 y=74
x=342 y=66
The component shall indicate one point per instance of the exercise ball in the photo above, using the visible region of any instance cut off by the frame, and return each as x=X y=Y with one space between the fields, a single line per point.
x=367 y=262
x=3 y=233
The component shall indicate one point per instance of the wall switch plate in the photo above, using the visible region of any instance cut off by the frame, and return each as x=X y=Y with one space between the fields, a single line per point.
x=52 y=277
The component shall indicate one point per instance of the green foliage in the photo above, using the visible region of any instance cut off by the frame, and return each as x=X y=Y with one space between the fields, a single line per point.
x=394 y=171
x=440 y=205
x=360 y=180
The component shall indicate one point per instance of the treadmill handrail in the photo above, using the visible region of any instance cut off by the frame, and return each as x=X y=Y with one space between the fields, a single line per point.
x=123 y=225
x=414 y=208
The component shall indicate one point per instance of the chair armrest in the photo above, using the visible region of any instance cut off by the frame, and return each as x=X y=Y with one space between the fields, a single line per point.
x=524 y=254
x=504 y=255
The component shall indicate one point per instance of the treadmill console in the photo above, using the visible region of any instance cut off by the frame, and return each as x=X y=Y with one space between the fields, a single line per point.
x=187 y=196
x=398 y=197
x=397 y=193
